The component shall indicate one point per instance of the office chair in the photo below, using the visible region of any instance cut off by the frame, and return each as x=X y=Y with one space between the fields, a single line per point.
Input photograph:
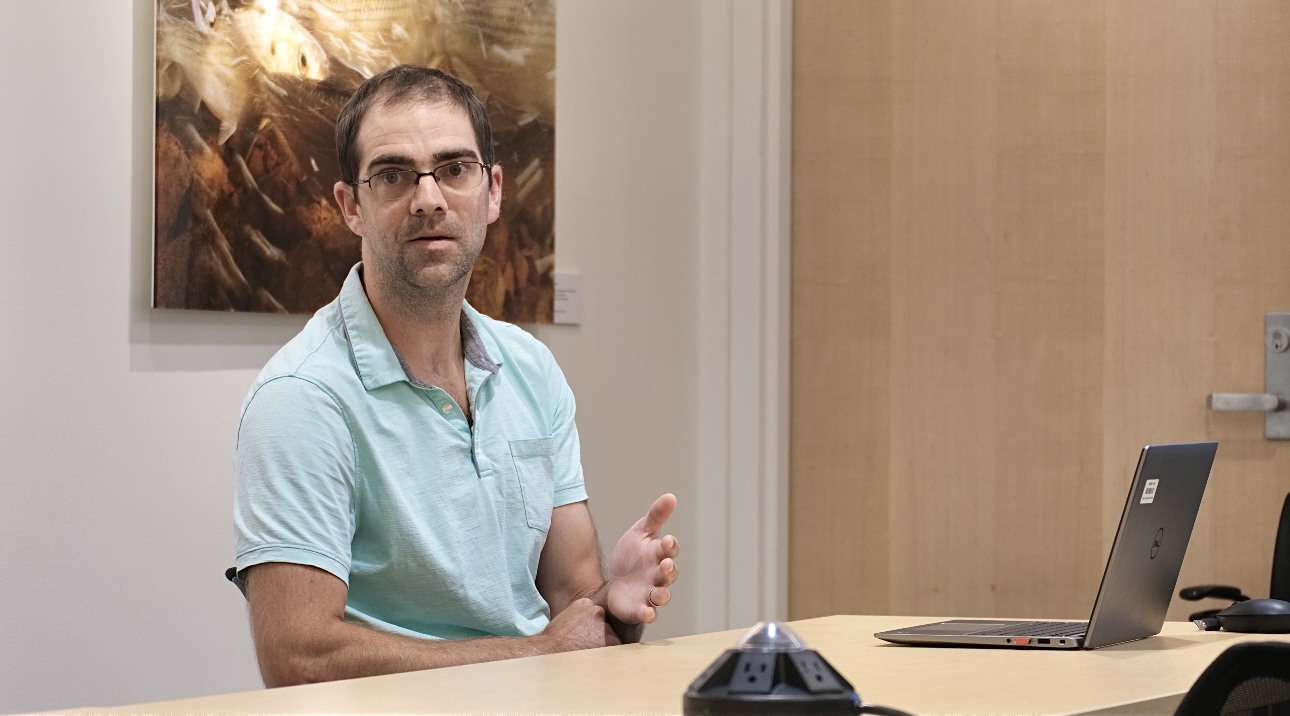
x=231 y=575
x=1280 y=588
x=1251 y=678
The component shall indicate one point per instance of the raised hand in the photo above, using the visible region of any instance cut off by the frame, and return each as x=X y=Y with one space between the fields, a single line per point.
x=643 y=567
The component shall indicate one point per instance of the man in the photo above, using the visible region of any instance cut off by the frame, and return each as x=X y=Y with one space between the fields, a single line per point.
x=409 y=488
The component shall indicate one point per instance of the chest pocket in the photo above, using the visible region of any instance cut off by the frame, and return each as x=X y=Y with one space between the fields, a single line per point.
x=535 y=468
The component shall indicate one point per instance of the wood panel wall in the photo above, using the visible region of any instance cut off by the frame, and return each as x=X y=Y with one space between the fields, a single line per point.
x=1029 y=237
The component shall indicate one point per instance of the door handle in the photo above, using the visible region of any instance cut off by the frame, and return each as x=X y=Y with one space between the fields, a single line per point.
x=1272 y=402
x=1257 y=402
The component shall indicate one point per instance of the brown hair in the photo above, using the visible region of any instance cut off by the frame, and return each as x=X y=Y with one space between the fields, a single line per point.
x=408 y=83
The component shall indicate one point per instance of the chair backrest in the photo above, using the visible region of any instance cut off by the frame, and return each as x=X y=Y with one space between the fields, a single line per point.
x=1280 y=588
x=1252 y=677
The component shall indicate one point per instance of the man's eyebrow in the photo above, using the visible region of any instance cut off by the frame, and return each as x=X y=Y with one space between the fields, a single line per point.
x=439 y=158
x=391 y=160
x=448 y=155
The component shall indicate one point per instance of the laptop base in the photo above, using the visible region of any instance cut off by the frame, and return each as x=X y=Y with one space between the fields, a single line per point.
x=1016 y=634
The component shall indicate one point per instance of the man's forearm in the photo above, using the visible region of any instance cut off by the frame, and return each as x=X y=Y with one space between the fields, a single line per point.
x=347 y=651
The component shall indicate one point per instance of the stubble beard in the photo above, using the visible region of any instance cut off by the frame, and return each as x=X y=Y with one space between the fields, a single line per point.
x=407 y=285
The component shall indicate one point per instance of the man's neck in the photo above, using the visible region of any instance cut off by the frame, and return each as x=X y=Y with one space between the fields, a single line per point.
x=425 y=330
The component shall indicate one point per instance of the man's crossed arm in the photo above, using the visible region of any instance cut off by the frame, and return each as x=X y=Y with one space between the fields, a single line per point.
x=297 y=611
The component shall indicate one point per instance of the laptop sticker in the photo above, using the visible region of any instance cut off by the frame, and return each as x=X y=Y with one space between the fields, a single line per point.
x=1149 y=492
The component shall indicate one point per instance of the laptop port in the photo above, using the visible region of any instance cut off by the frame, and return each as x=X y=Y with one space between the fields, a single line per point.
x=1043 y=641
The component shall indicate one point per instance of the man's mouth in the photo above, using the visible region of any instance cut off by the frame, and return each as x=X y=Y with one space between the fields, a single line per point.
x=433 y=240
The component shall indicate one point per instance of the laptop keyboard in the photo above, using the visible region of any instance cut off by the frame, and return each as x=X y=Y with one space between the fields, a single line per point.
x=1059 y=629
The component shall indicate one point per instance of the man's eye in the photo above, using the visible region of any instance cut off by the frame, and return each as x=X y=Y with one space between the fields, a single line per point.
x=391 y=178
x=455 y=170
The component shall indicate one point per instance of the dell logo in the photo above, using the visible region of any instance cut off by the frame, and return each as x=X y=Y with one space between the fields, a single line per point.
x=1157 y=541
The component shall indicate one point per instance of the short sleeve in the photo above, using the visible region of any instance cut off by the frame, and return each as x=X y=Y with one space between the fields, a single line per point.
x=566 y=451
x=294 y=470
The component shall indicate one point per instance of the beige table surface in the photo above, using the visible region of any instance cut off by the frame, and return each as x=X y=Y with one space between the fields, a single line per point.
x=1142 y=677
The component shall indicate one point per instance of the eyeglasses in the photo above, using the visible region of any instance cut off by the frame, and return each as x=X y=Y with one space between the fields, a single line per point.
x=396 y=184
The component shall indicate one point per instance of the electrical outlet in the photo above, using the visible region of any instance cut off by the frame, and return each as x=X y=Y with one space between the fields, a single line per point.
x=754 y=674
x=814 y=673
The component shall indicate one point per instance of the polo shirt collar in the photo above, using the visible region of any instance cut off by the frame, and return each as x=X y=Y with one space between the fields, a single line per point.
x=374 y=357
x=480 y=347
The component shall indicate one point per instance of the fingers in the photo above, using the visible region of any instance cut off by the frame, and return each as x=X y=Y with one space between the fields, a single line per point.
x=596 y=609
x=611 y=638
x=585 y=603
x=668 y=547
x=658 y=514
x=661 y=596
x=667 y=573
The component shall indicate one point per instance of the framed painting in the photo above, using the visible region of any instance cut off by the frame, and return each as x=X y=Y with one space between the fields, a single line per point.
x=247 y=94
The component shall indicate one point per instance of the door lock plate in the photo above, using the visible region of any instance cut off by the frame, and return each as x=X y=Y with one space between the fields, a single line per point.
x=1276 y=373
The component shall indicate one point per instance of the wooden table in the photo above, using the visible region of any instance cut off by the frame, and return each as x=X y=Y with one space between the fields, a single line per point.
x=1142 y=677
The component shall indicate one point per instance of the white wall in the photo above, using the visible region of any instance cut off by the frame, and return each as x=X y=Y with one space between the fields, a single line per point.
x=117 y=421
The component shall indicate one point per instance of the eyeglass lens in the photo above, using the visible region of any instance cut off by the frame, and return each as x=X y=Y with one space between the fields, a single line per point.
x=454 y=177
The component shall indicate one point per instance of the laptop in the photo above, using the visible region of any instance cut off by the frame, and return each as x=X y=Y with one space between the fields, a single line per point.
x=1140 y=575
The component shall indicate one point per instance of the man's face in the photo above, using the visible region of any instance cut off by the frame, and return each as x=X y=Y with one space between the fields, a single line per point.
x=430 y=238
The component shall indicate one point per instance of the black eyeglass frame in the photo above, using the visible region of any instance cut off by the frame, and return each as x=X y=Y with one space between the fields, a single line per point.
x=487 y=171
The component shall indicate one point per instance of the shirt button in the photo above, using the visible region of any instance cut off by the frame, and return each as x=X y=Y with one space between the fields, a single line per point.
x=447 y=408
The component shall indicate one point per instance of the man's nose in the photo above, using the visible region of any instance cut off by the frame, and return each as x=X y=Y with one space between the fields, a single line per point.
x=427 y=197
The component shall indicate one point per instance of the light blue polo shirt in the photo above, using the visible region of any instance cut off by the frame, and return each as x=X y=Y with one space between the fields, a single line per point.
x=345 y=463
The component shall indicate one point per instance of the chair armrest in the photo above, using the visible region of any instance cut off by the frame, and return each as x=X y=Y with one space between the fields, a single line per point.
x=231 y=575
x=1216 y=591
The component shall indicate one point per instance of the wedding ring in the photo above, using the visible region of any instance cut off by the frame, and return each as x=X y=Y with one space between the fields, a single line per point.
x=650 y=598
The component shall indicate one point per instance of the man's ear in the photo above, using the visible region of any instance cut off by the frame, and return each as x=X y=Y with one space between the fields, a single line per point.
x=346 y=198
x=495 y=194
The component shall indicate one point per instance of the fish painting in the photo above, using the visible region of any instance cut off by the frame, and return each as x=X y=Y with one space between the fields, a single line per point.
x=278 y=43
x=501 y=47
x=368 y=36
x=213 y=64
x=247 y=94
